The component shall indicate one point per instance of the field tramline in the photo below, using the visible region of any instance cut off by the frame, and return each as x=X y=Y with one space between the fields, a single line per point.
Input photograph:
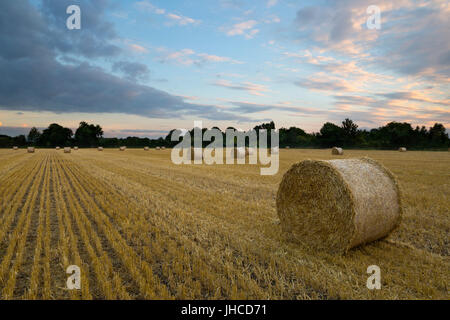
x=140 y=227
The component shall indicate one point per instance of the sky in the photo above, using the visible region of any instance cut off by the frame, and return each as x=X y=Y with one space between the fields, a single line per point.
x=142 y=68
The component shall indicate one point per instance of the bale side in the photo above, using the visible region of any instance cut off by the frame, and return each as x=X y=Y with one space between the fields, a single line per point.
x=338 y=204
x=337 y=151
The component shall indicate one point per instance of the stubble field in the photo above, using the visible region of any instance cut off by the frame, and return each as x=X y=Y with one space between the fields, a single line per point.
x=140 y=227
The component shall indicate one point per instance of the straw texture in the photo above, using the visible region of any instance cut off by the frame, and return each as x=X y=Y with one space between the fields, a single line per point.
x=338 y=204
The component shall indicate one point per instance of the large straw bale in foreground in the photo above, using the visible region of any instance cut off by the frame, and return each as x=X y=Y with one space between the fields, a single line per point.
x=337 y=151
x=338 y=204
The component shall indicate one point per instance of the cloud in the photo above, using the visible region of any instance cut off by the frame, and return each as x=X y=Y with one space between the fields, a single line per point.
x=181 y=20
x=324 y=85
x=271 y=3
x=413 y=39
x=132 y=70
x=173 y=19
x=246 y=29
x=252 y=88
x=189 y=57
x=137 y=48
x=34 y=79
x=247 y=107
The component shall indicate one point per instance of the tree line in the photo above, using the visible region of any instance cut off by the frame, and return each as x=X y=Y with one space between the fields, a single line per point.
x=348 y=135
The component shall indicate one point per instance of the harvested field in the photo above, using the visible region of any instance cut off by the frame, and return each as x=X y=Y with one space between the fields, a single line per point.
x=140 y=227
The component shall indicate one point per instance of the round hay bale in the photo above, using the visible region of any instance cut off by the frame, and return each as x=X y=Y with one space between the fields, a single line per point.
x=15 y=148
x=146 y=148
x=337 y=151
x=402 y=149
x=67 y=150
x=336 y=205
x=57 y=148
x=163 y=148
x=122 y=148
x=75 y=148
x=158 y=148
x=30 y=149
x=100 y=148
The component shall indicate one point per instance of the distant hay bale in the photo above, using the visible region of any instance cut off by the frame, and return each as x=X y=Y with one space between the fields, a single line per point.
x=146 y=148
x=30 y=149
x=163 y=148
x=15 y=148
x=67 y=150
x=336 y=205
x=402 y=149
x=122 y=148
x=158 y=148
x=57 y=148
x=287 y=147
x=100 y=148
x=337 y=151
x=75 y=148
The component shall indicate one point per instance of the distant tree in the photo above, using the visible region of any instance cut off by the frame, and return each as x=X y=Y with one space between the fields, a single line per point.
x=350 y=132
x=88 y=135
x=331 y=135
x=56 y=135
x=437 y=135
x=19 y=141
x=34 y=136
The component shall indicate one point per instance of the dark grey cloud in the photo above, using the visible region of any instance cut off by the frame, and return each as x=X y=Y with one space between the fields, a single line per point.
x=245 y=107
x=132 y=70
x=323 y=85
x=35 y=77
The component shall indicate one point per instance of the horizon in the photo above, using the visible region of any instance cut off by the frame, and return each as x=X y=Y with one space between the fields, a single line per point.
x=143 y=68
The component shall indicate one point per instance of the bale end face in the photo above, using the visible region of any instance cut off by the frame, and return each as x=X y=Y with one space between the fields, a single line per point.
x=337 y=151
x=338 y=204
